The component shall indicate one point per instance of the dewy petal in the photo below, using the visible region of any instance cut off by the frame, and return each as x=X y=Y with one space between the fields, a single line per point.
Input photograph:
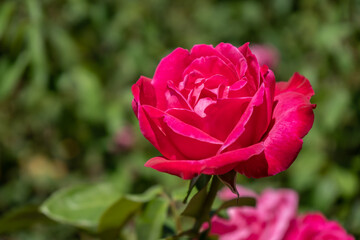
x=171 y=68
x=219 y=164
x=297 y=83
x=184 y=137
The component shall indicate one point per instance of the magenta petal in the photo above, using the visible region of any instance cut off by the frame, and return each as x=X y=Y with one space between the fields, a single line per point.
x=232 y=53
x=187 y=130
x=174 y=98
x=144 y=92
x=151 y=126
x=170 y=68
x=184 y=137
x=253 y=70
x=224 y=114
x=219 y=164
x=210 y=66
x=297 y=83
x=203 y=50
x=293 y=119
x=239 y=129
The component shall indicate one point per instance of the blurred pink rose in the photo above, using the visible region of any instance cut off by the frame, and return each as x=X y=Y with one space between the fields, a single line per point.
x=269 y=220
x=124 y=138
x=315 y=226
x=266 y=55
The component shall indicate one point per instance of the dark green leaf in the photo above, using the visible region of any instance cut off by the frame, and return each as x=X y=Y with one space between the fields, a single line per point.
x=200 y=182
x=237 y=202
x=229 y=179
x=20 y=218
x=195 y=205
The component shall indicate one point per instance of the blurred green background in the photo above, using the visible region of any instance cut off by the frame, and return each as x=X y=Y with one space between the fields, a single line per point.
x=66 y=70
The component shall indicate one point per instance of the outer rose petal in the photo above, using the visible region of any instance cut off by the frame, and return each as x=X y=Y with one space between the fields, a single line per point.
x=219 y=164
x=297 y=83
x=293 y=119
x=170 y=68
x=183 y=137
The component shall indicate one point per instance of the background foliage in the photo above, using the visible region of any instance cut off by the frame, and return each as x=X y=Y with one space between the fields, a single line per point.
x=66 y=69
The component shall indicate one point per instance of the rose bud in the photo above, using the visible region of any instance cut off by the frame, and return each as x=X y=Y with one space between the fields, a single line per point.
x=213 y=110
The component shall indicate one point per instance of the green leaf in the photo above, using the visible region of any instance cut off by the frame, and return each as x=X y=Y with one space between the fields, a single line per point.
x=229 y=179
x=6 y=11
x=81 y=206
x=118 y=213
x=20 y=218
x=149 y=225
x=237 y=202
x=12 y=76
x=200 y=182
x=194 y=207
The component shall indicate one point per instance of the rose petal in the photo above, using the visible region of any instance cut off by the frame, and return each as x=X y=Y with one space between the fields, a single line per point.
x=239 y=129
x=285 y=138
x=203 y=50
x=210 y=66
x=201 y=106
x=257 y=125
x=144 y=92
x=219 y=164
x=153 y=128
x=171 y=68
x=297 y=83
x=174 y=97
x=235 y=56
x=224 y=114
x=253 y=70
x=184 y=137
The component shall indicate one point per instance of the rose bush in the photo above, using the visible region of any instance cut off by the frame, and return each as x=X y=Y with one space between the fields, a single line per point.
x=213 y=110
x=314 y=226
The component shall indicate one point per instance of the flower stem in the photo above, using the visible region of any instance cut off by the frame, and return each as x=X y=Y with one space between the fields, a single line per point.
x=205 y=212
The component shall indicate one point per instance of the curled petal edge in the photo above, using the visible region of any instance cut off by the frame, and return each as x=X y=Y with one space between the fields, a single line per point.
x=219 y=164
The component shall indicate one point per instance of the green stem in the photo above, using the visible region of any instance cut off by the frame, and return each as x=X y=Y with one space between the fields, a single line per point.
x=205 y=212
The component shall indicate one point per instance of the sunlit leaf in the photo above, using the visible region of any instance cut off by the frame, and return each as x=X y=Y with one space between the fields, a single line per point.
x=150 y=223
x=81 y=206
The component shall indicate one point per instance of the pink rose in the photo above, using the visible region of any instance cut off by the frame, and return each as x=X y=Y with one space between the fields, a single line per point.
x=269 y=220
x=266 y=54
x=315 y=226
x=213 y=110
